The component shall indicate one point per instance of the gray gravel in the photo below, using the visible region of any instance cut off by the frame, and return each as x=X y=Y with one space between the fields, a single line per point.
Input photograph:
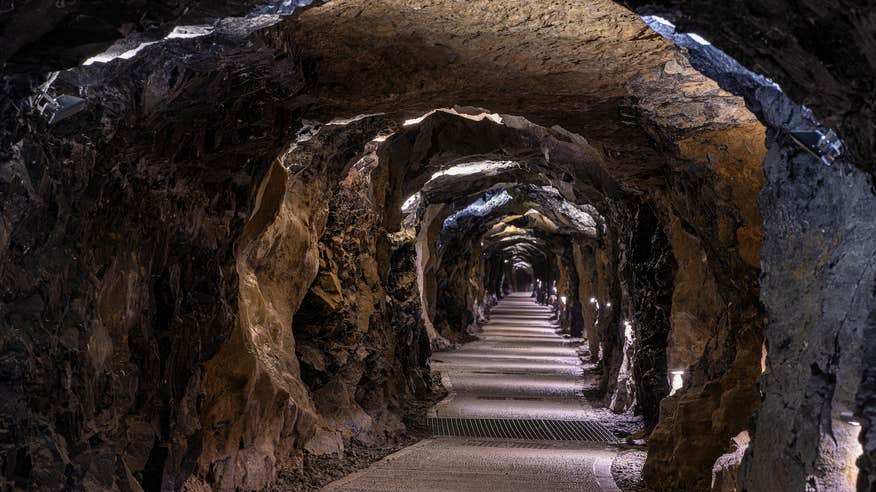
x=627 y=470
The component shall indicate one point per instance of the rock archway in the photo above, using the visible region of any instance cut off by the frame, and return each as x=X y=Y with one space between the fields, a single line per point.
x=204 y=282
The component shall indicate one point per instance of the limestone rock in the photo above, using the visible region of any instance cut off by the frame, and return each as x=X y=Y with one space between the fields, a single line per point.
x=726 y=469
x=328 y=288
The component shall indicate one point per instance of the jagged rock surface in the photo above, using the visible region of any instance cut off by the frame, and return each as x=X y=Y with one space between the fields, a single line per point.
x=821 y=53
x=118 y=262
x=153 y=258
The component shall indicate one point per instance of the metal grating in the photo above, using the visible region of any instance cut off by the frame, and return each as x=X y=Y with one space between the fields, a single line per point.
x=529 y=429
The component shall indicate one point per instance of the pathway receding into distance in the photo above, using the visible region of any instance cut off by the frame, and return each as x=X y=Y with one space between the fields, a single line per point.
x=515 y=417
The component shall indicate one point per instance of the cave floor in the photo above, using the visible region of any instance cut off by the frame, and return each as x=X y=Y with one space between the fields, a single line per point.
x=518 y=369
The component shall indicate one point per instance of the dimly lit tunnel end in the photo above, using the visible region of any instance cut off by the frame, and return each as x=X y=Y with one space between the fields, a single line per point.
x=251 y=246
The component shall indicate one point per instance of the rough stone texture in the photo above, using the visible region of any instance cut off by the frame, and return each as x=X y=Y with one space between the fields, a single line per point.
x=256 y=407
x=573 y=70
x=646 y=269
x=725 y=473
x=715 y=234
x=626 y=469
x=412 y=340
x=118 y=262
x=140 y=253
x=358 y=361
x=718 y=227
x=457 y=281
x=588 y=281
x=818 y=287
x=41 y=35
x=179 y=354
x=821 y=53
x=695 y=417
x=695 y=300
x=427 y=263
x=827 y=463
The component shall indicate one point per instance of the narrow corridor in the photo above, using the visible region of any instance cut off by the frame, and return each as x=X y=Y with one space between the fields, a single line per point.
x=239 y=238
x=515 y=418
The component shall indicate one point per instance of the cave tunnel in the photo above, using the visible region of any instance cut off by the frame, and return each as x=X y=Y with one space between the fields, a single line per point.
x=438 y=245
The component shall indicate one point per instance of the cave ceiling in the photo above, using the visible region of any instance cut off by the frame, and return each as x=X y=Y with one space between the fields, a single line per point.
x=521 y=206
x=820 y=53
x=619 y=92
x=593 y=67
x=582 y=65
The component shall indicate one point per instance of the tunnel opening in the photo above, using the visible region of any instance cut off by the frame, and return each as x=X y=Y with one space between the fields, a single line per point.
x=638 y=238
x=485 y=235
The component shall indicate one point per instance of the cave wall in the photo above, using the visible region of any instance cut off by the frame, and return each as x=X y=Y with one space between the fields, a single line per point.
x=255 y=407
x=647 y=268
x=572 y=309
x=428 y=262
x=695 y=300
x=823 y=464
x=818 y=290
x=257 y=411
x=707 y=211
x=588 y=281
x=176 y=199
x=596 y=266
x=611 y=289
x=716 y=320
x=360 y=363
x=413 y=345
x=458 y=287
x=717 y=343
x=820 y=53
x=170 y=268
x=47 y=35
x=119 y=264
x=565 y=285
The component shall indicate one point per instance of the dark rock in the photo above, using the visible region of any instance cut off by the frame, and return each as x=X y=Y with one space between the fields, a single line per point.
x=820 y=53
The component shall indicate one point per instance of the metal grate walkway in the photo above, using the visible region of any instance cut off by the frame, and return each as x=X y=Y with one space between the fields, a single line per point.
x=530 y=429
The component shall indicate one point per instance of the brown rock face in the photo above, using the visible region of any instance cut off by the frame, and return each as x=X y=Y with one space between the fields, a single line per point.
x=566 y=66
x=256 y=407
x=197 y=285
x=725 y=473
x=821 y=53
x=119 y=271
x=716 y=320
x=695 y=300
x=360 y=362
